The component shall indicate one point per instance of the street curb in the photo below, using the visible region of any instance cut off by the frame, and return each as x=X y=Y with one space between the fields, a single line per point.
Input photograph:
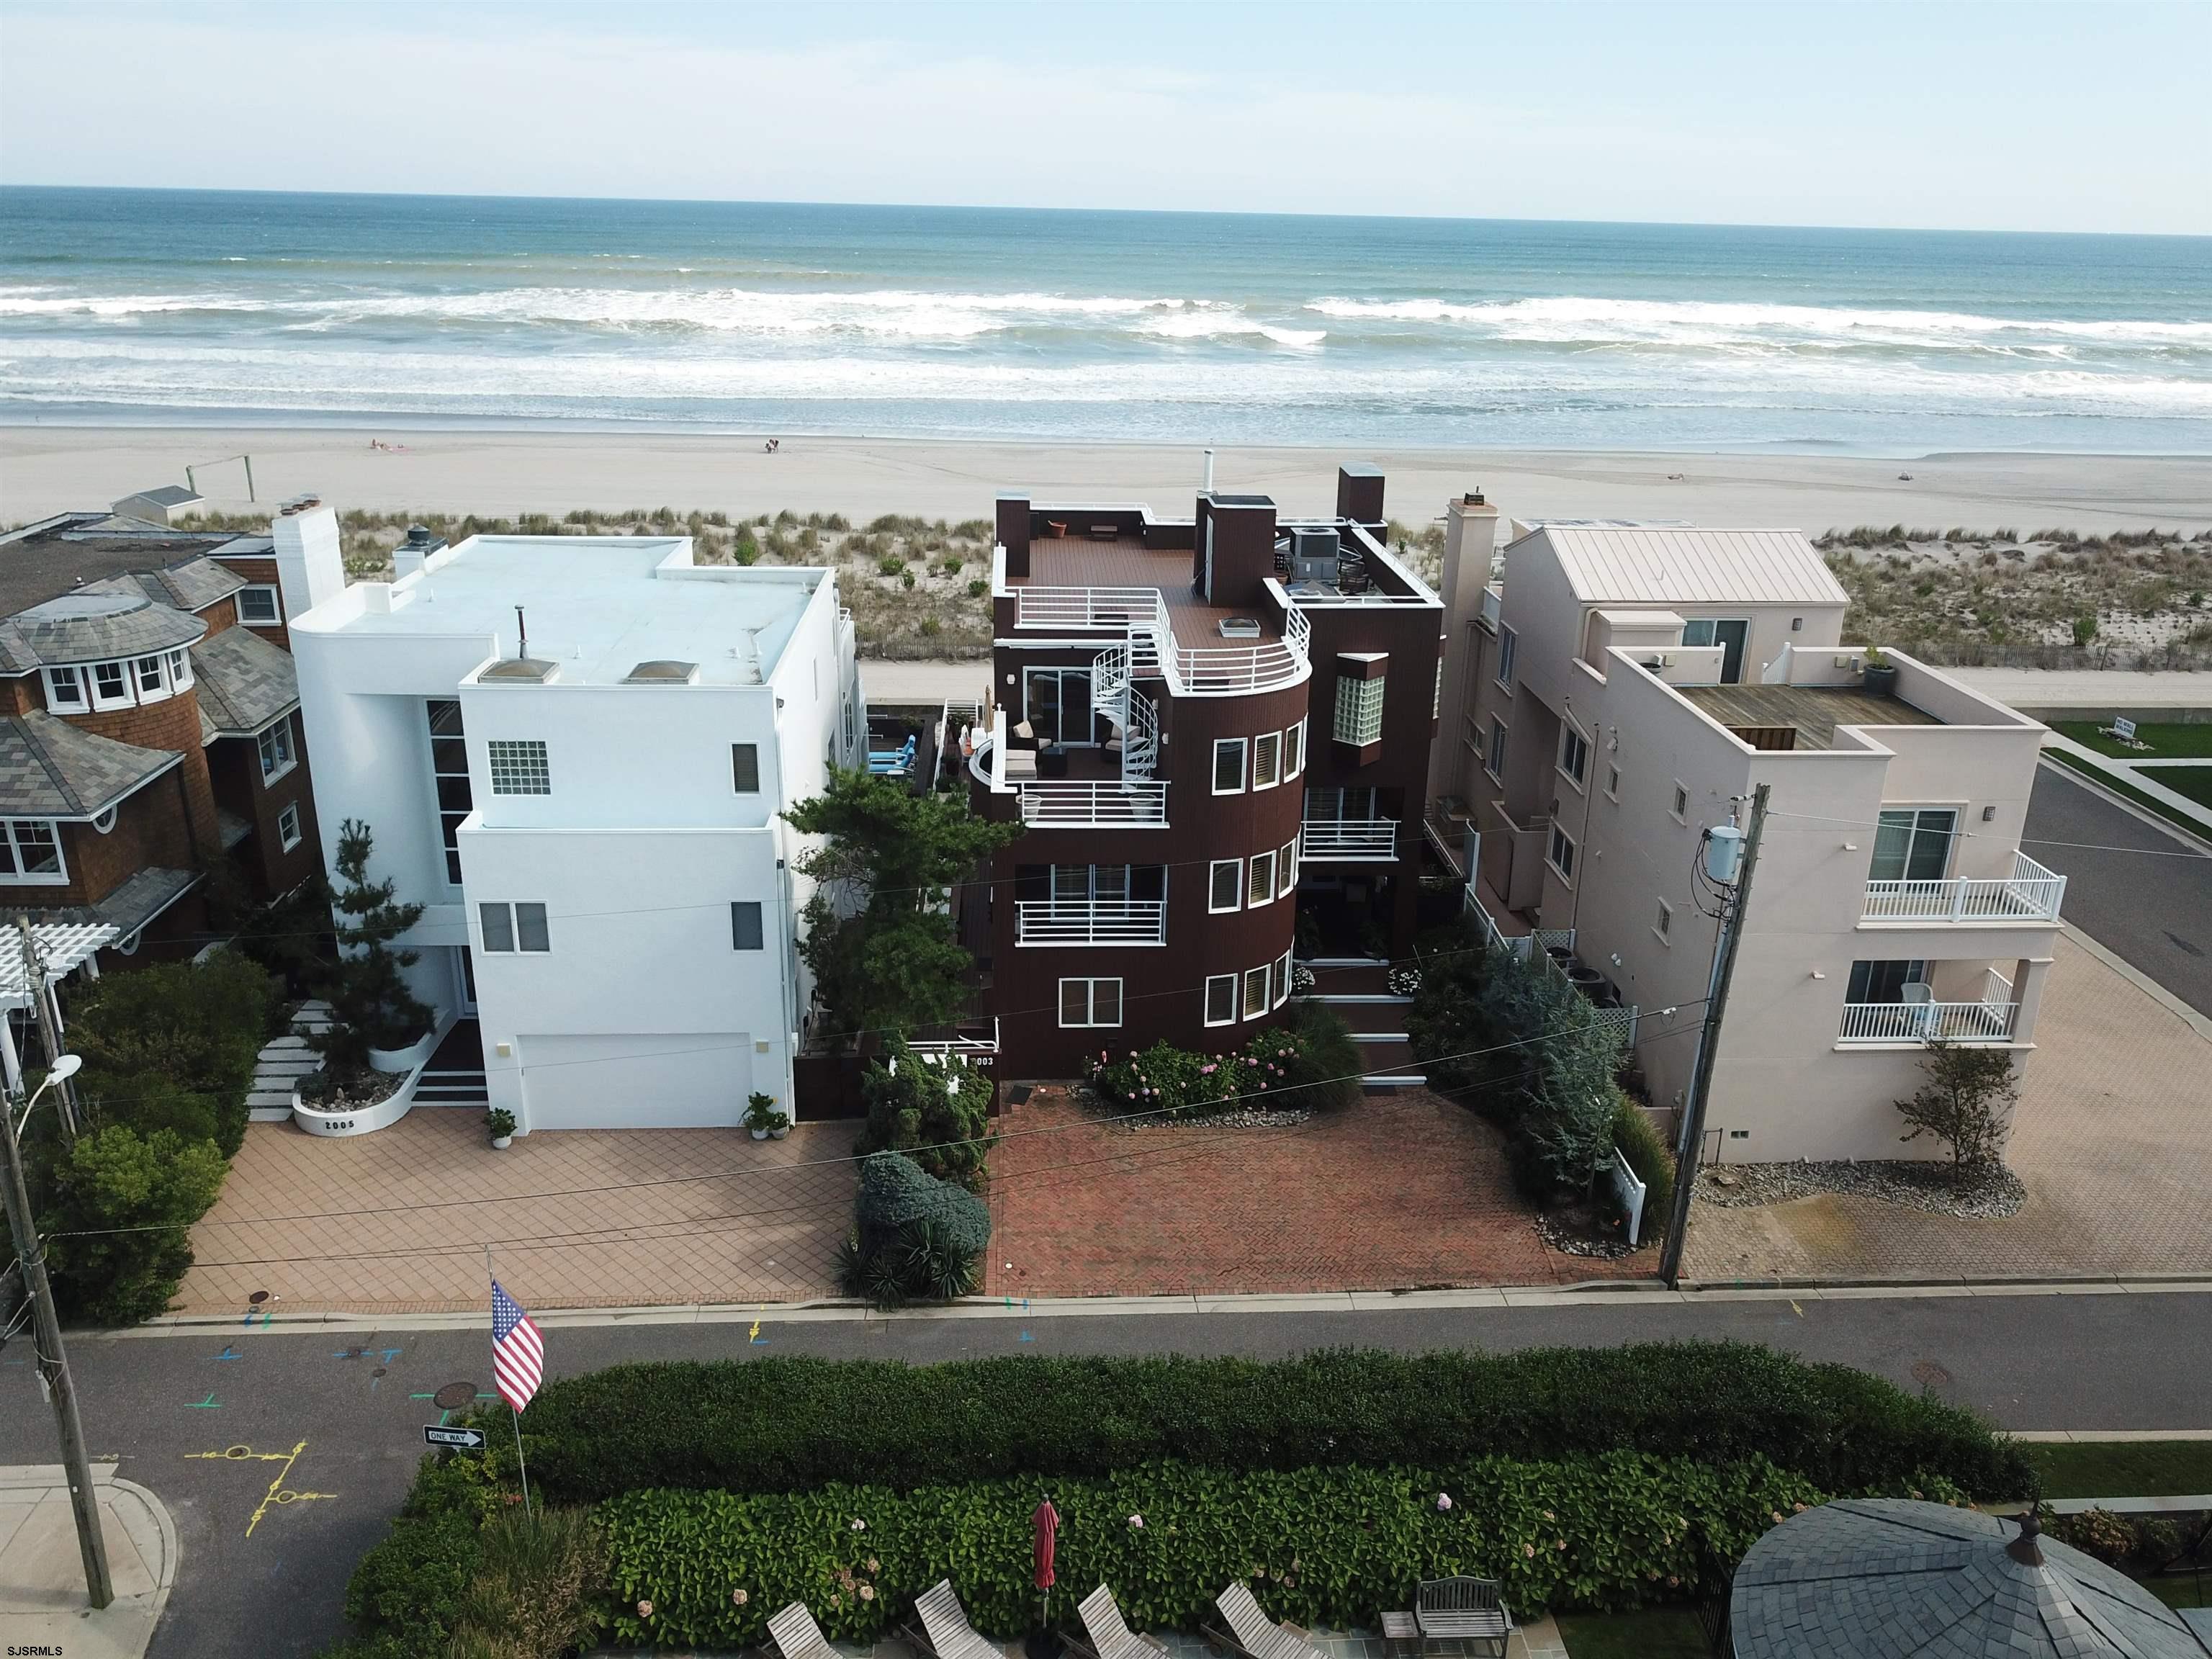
x=2200 y=1024
x=1596 y=1292
x=2094 y=1436
x=2091 y=781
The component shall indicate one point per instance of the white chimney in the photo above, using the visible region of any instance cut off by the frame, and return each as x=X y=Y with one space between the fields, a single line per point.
x=309 y=566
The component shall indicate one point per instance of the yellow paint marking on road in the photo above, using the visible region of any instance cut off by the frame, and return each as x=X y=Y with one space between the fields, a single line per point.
x=278 y=1493
x=753 y=1335
x=1794 y=1309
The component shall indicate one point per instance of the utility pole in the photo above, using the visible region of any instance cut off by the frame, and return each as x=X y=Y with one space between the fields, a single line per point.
x=53 y=1364
x=1709 y=1038
x=50 y=1025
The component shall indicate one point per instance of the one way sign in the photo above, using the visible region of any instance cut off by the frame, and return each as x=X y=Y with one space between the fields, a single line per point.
x=466 y=1439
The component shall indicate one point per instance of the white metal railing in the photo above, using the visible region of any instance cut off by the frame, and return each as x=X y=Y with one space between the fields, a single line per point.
x=1988 y=1021
x=975 y=1048
x=1190 y=669
x=1518 y=948
x=1094 y=922
x=1106 y=805
x=1084 y=607
x=2030 y=893
x=1342 y=840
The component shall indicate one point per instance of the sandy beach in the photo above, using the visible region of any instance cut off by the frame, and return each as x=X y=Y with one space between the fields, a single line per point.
x=51 y=469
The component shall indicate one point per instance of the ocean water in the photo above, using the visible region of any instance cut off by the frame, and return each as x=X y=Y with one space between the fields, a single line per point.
x=157 y=306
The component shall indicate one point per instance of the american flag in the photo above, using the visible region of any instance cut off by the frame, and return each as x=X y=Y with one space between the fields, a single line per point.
x=518 y=1350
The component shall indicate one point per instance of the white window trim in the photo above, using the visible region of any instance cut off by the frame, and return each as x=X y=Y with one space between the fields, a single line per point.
x=1212 y=872
x=276 y=618
x=1214 y=777
x=1574 y=851
x=122 y=699
x=1612 y=781
x=516 y=947
x=1680 y=814
x=1286 y=867
x=1294 y=747
x=288 y=839
x=58 y=877
x=1090 y=1021
x=1662 y=929
x=1282 y=976
x=1252 y=875
x=1245 y=991
x=1569 y=729
x=1235 y=993
x=180 y=671
x=1276 y=781
x=734 y=788
x=80 y=679
x=282 y=725
x=1497 y=726
x=1508 y=643
x=144 y=693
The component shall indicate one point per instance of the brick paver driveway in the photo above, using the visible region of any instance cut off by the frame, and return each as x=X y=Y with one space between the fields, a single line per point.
x=1401 y=1191
x=395 y=1221
x=2112 y=1137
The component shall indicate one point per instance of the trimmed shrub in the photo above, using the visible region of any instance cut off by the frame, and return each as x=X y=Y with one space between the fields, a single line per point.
x=198 y=1028
x=1329 y=1546
x=946 y=1130
x=1653 y=1160
x=916 y=1237
x=407 y=1592
x=1326 y=1064
x=791 y=1423
x=112 y=1181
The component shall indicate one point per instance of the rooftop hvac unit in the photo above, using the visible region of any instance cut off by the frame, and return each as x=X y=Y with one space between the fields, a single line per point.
x=1313 y=554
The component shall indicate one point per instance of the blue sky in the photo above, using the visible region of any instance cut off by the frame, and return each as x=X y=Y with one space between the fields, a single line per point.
x=1990 y=116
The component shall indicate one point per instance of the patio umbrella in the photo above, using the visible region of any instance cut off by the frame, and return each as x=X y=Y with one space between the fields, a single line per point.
x=1044 y=1526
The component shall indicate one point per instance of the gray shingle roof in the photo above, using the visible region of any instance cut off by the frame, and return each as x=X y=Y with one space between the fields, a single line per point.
x=244 y=683
x=50 y=769
x=96 y=626
x=192 y=585
x=1881 y=1578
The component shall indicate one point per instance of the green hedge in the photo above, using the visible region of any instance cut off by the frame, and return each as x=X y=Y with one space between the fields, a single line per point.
x=1322 y=1547
x=794 y=1422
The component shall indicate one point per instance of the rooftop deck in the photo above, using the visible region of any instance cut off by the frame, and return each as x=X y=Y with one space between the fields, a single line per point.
x=1076 y=560
x=1809 y=713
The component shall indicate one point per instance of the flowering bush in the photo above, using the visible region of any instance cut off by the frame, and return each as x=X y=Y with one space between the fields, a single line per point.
x=1404 y=981
x=1165 y=1081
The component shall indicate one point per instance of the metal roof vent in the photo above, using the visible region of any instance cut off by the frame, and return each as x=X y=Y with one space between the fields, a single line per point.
x=1240 y=628
x=530 y=671
x=662 y=672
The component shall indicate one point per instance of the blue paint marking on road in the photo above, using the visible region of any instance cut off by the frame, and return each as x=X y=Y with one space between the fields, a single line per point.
x=391 y=1354
x=229 y=1352
x=1026 y=1337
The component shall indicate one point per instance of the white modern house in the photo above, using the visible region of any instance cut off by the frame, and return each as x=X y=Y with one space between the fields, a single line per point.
x=1623 y=690
x=572 y=751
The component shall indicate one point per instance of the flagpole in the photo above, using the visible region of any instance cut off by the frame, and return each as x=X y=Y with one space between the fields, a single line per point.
x=520 y=1462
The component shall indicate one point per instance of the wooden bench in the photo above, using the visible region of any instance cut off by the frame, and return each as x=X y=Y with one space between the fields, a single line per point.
x=1464 y=1610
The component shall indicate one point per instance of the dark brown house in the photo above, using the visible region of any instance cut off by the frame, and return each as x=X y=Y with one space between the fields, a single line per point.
x=1216 y=731
x=149 y=736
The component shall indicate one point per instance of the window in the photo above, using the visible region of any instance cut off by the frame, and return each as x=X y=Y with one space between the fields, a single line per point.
x=745 y=925
x=1224 y=893
x=1730 y=637
x=1287 y=867
x=1495 y=765
x=1221 y=999
x=497 y=921
x=1228 y=765
x=1089 y=1002
x=515 y=927
x=277 y=757
x=150 y=680
x=1255 y=992
x=1613 y=782
x=64 y=687
x=519 y=767
x=1663 y=924
x=1294 y=750
x=449 y=765
x=1437 y=705
x=744 y=768
x=1283 y=979
x=1913 y=846
x=1056 y=703
x=1267 y=760
x=1681 y=809
x=1884 y=981
x=1563 y=853
x=31 y=854
x=181 y=669
x=288 y=826
x=109 y=687
x=1358 y=710
x=258 y=606
x=1507 y=640
x=1262 y=887
x=1574 y=754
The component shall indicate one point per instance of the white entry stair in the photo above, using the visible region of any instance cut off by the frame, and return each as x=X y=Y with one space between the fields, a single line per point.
x=283 y=1062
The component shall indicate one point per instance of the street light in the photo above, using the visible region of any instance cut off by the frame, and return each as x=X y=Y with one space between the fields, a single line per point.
x=62 y=1069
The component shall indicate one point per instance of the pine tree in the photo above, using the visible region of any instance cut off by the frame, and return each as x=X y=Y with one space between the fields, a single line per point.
x=371 y=1005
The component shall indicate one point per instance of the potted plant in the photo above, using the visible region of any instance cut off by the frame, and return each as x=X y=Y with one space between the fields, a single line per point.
x=1880 y=674
x=499 y=1122
x=376 y=1023
x=763 y=1118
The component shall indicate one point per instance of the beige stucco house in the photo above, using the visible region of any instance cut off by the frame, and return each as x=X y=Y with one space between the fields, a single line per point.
x=1622 y=689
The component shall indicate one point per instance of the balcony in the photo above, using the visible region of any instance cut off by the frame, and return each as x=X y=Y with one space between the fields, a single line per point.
x=1989 y=1022
x=1108 y=804
x=1098 y=921
x=2031 y=893
x=1348 y=841
x=1493 y=605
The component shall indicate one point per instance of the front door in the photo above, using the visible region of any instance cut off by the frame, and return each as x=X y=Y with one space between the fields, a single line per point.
x=1732 y=636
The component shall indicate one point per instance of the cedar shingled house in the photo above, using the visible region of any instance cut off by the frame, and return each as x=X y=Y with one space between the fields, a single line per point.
x=150 y=718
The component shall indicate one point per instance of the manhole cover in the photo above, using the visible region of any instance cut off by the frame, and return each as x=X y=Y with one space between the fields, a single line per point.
x=454 y=1396
x=1929 y=1374
x=259 y=1298
x=378 y=1371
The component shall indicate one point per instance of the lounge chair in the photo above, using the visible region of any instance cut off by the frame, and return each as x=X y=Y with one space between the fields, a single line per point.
x=1258 y=1635
x=797 y=1636
x=1464 y=1610
x=1110 y=1636
x=944 y=1622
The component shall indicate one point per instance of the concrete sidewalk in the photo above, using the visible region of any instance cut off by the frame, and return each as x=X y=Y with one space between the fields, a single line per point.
x=42 y=1597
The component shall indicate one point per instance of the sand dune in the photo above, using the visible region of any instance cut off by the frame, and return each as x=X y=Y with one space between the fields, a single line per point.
x=45 y=470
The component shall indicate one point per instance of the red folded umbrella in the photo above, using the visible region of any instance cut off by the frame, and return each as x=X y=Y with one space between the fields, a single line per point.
x=1046 y=1521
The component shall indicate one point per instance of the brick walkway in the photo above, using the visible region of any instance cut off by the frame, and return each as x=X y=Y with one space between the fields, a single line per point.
x=1404 y=1190
x=2112 y=1137
x=587 y=1219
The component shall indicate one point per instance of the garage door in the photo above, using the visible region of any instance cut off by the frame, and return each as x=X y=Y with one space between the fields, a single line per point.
x=672 y=1082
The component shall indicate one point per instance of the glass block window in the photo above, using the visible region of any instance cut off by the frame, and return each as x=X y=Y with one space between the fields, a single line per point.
x=1358 y=710
x=518 y=767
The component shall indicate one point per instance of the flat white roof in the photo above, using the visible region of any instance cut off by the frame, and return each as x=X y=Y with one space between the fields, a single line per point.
x=1659 y=564
x=595 y=605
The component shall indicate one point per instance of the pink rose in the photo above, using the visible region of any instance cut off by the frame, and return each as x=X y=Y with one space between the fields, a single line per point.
x=1137 y=1521
x=644 y=1610
x=1444 y=1502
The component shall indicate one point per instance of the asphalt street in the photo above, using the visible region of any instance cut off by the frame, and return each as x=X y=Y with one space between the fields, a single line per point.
x=281 y=1453
x=2145 y=905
